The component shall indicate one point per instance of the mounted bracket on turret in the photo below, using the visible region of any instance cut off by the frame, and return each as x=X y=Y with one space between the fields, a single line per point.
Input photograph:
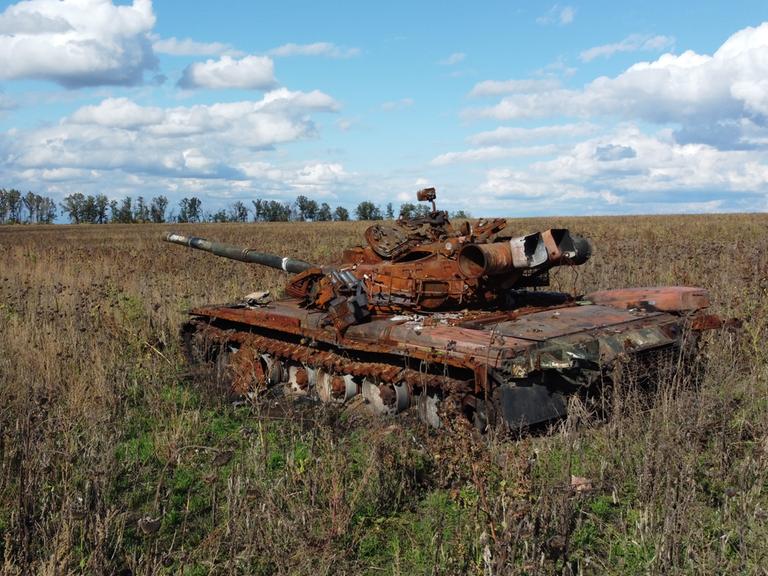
x=351 y=303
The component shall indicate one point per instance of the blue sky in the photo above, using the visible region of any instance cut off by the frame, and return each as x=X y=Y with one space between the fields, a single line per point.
x=508 y=108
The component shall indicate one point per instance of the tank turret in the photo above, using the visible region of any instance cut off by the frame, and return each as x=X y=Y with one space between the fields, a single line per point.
x=419 y=264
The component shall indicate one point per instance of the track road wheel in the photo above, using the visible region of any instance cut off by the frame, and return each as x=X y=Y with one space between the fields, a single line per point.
x=301 y=379
x=247 y=373
x=428 y=404
x=385 y=398
x=336 y=388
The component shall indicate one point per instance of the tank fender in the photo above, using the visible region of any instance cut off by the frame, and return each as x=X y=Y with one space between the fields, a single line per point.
x=658 y=298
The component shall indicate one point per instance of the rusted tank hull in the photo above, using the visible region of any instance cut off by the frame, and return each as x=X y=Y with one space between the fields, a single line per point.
x=517 y=366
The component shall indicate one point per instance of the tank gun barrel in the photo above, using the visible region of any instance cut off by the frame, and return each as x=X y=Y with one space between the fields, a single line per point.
x=236 y=253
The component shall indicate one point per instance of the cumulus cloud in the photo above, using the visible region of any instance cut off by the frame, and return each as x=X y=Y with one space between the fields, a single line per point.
x=202 y=141
x=453 y=59
x=77 y=43
x=562 y=15
x=188 y=47
x=490 y=153
x=611 y=152
x=500 y=87
x=326 y=49
x=510 y=134
x=319 y=176
x=632 y=43
x=636 y=169
x=617 y=170
x=250 y=72
x=693 y=90
x=318 y=179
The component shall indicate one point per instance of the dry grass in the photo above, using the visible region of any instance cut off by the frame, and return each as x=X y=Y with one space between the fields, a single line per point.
x=112 y=463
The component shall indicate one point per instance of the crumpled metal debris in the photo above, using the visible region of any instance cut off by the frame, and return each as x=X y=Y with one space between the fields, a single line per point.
x=257 y=299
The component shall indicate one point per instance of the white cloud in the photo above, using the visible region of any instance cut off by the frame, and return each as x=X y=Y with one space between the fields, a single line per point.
x=614 y=152
x=346 y=124
x=188 y=47
x=567 y=14
x=453 y=59
x=491 y=153
x=318 y=178
x=562 y=15
x=58 y=174
x=500 y=87
x=197 y=141
x=118 y=113
x=397 y=104
x=638 y=168
x=632 y=43
x=217 y=151
x=314 y=178
x=77 y=42
x=326 y=49
x=508 y=134
x=249 y=72
x=697 y=91
x=623 y=170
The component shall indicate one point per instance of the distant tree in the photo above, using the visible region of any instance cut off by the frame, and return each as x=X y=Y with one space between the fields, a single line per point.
x=281 y=211
x=306 y=208
x=407 y=210
x=3 y=205
x=238 y=212
x=88 y=211
x=30 y=201
x=16 y=207
x=37 y=207
x=367 y=211
x=341 y=214
x=190 y=209
x=100 y=205
x=157 y=209
x=422 y=210
x=141 y=213
x=258 y=210
x=220 y=216
x=122 y=212
x=46 y=213
x=73 y=206
x=460 y=215
x=390 y=211
x=324 y=213
x=13 y=205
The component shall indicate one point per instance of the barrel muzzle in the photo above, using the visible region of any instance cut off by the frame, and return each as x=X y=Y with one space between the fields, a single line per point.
x=541 y=250
x=236 y=253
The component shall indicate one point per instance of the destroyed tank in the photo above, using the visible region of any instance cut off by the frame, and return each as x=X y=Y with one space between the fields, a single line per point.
x=450 y=320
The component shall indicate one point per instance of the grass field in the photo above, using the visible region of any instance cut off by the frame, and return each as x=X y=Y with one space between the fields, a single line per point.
x=113 y=462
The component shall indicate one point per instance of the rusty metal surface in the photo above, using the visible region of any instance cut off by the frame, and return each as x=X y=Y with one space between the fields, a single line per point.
x=544 y=325
x=430 y=306
x=666 y=298
x=491 y=340
x=327 y=359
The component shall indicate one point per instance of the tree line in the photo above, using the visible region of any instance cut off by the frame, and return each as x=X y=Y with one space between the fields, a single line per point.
x=16 y=207
x=79 y=208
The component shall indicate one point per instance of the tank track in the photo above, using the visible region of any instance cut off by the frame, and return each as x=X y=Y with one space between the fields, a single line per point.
x=249 y=360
